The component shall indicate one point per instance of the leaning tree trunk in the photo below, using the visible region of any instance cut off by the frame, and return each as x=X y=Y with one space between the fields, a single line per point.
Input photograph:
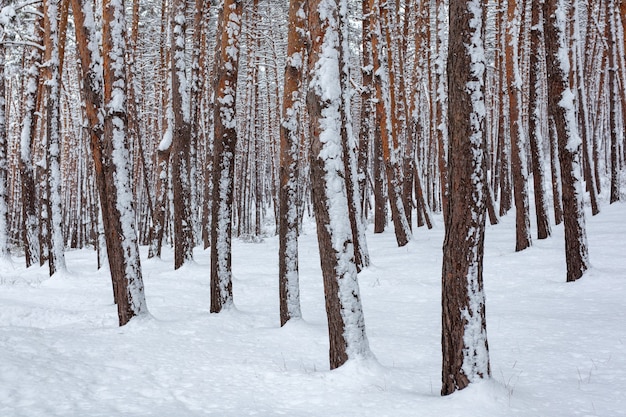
x=346 y=326
x=289 y=289
x=464 y=334
x=561 y=109
x=224 y=157
x=121 y=237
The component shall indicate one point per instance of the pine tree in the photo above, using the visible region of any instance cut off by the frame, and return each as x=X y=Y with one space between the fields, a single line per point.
x=464 y=335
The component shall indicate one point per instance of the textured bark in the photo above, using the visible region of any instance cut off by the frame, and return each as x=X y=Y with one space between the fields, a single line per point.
x=561 y=110
x=537 y=69
x=346 y=327
x=30 y=225
x=367 y=103
x=181 y=138
x=289 y=289
x=384 y=83
x=516 y=131
x=464 y=336
x=224 y=157
x=4 y=215
x=613 y=81
x=56 y=259
x=121 y=236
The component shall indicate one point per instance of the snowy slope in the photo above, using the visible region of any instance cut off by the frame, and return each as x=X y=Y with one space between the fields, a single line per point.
x=557 y=349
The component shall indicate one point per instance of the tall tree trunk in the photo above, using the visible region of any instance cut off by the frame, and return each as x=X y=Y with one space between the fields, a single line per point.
x=121 y=237
x=181 y=138
x=464 y=334
x=4 y=173
x=288 y=278
x=56 y=260
x=561 y=109
x=346 y=326
x=383 y=77
x=535 y=127
x=224 y=156
x=613 y=82
x=516 y=131
x=29 y=124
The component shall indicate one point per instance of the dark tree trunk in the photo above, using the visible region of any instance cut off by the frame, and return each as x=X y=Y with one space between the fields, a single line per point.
x=464 y=335
x=289 y=288
x=535 y=127
x=224 y=157
x=561 y=110
x=181 y=139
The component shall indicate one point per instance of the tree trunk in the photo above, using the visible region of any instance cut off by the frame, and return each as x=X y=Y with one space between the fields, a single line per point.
x=181 y=138
x=562 y=111
x=122 y=245
x=224 y=157
x=535 y=127
x=346 y=327
x=288 y=279
x=29 y=124
x=56 y=259
x=464 y=335
x=4 y=174
x=516 y=131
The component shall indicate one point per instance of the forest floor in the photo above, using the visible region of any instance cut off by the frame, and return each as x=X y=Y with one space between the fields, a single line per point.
x=556 y=348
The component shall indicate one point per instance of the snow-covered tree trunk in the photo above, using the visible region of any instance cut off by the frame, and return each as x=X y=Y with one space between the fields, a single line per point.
x=124 y=258
x=325 y=102
x=367 y=103
x=385 y=97
x=181 y=138
x=224 y=156
x=29 y=124
x=535 y=125
x=562 y=111
x=361 y=253
x=56 y=259
x=4 y=212
x=293 y=97
x=614 y=94
x=464 y=334
x=516 y=131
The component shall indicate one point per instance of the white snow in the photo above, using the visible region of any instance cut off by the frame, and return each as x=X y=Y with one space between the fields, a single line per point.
x=556 y=349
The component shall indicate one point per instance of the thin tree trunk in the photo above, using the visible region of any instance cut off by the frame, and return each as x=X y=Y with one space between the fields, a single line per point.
x=29 y=124
x=224 y=159
x=561 y=109
x=181 y=138
x=535 y=127
x=4 y=174
x=288 y=276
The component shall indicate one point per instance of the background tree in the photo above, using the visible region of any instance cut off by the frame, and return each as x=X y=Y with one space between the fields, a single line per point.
x=289 y=153
x=562 y=111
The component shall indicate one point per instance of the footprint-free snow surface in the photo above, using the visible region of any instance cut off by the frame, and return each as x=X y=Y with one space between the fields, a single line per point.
x=556 y=348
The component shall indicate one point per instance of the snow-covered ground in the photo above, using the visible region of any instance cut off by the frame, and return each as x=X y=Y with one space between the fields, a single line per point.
x=557 y=349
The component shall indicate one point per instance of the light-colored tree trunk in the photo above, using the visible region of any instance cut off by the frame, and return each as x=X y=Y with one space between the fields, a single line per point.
x=325 y=101
x=124 y=256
